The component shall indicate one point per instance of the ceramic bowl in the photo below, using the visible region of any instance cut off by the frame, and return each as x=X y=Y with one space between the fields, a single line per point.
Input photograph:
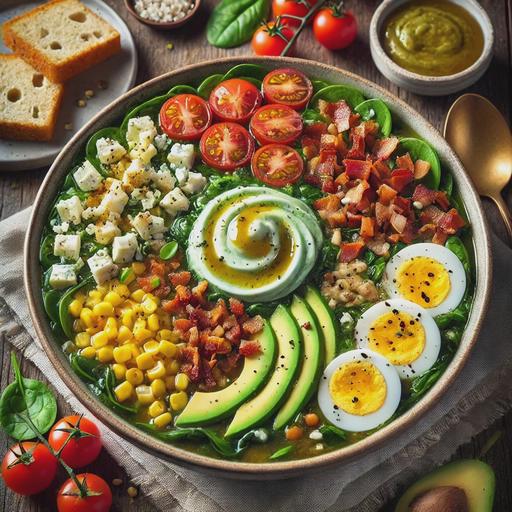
x=241 y=470
x=422 y=84
x=161 y=25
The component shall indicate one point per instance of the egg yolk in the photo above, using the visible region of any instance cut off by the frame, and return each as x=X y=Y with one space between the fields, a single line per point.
x=424 y=281
x=398 y=336
x=358 y=388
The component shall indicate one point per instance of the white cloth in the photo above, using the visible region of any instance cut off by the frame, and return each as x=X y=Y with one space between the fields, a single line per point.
x=480 y=394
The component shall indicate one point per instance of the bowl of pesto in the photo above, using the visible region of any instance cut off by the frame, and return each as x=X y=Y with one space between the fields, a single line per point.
x=431 y=47
x=258 y=267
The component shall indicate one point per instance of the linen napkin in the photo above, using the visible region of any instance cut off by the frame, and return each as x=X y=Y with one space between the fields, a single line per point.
x=480 y=394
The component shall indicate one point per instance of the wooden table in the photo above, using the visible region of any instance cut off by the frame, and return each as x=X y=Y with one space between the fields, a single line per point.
x=17 y=190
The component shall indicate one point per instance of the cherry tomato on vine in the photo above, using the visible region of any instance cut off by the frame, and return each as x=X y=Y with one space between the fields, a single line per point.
x=297 y=8
x=28 y=468
x=276 y=123
x=226 y=146
x=271 y=39
x=287 y=86
x=98 y=499
x=84 y=445
x=334 y=28
x=277 y=165
x=235 y=100
x=185 y=117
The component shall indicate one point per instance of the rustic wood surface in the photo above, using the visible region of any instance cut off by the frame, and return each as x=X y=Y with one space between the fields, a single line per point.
x=17 y=190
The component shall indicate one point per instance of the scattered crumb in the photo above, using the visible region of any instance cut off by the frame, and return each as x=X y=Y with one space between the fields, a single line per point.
x=170 y=46
x=132 y=492
x=68 y=126
x=102 y=84
x=81 y=103
x=89 y=93
x=117 y=482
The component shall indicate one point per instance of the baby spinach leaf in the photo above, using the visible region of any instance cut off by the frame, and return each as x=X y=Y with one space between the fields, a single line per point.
x=46 y=256
x=26 y=398
x=282 y=452
x=333 y=93
x=455 y=244
x=246 y=71
x=376 y=110
x=265 y=309
x=447 y=183
x=253 y=81
x=311 y=116
x=376 y=269
x=319 y=84
x=232 y=23
x=208 y=84
x=51 y=304
x=332 y=434
x=169 y=250
x=420 y=150
x=65 y=319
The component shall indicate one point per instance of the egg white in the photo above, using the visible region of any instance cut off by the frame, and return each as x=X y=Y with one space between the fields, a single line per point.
x=439 y=253
x=353 y=422
x=432 y=335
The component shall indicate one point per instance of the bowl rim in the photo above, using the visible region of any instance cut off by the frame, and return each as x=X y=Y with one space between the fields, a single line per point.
x=161 y=24
x=225 y=467
x=387 y=7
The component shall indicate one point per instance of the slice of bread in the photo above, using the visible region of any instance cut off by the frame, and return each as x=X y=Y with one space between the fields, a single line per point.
x=61 y=38
x=29 y=102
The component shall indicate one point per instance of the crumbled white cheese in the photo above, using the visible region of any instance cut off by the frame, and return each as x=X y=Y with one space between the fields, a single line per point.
x=417 y=205
x=114 y=200
x=102 y=267
x=61 y=228
x=162 y=142
x=143 y=154
x=106 y=232
x=70 y=210
x=140 y=133
x=346 y=318
x=163 y=179
x=87 y=177
x=109 y=151
x=67 y=246
x=90 y=229
x=181 y=155
x=195 y=183
x=316 y=435
x=147 y=198
x=175 y=201
x=149 y=226
x=163 y=10
x=124 y=248
x=62 y=276
x=136 y=175
x=181 y=175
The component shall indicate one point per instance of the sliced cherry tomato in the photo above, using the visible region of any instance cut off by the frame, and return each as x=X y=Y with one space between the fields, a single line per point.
x=28 y=468
x=271 y=39
x=334 y=29
x=297 y=8
x=226 y=146
x=84 y=445
x=235 y=100
x=276 y=123
x=277 y=165
x=185 y=117
x=69 y=498
x=287 y=86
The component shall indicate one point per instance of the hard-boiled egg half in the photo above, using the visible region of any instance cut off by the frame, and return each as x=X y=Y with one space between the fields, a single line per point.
x=427 y=274
x=359 y=390
x=401 y=331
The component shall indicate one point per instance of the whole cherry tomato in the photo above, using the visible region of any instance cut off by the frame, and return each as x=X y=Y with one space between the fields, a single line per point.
x=297 y=8
x=98 y=496
x=271 y=39
x=334 y=28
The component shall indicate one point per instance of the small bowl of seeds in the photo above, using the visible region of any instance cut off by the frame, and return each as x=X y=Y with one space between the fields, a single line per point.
x=163 y=14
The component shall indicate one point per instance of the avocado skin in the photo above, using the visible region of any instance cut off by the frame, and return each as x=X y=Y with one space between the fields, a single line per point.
x=474 y=477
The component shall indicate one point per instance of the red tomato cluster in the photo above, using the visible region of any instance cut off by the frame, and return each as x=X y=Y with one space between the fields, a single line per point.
x=233 y=121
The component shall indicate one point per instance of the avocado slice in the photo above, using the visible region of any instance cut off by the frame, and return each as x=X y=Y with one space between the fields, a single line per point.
x=327 y=321
x=207 y=407
x=312 y=364
x=474 y=477
x=268 y=400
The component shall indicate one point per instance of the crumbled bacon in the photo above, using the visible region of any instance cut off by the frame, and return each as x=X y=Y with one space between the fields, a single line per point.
x=350 y=251
x=357 y=169
x=421 y=169
x=424 y=195
x=405 y=162
x=182 y=278
x=249 y=348
x=253 y=325
x=384 y=148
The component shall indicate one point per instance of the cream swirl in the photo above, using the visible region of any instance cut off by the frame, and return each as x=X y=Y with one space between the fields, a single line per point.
x=254 y=243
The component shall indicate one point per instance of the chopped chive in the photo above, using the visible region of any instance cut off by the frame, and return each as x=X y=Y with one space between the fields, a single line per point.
x=281 y=452
x=125 y=274
x=155 y=282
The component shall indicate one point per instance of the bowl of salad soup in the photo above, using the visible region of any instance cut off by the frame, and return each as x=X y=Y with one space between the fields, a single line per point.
x=256 y=267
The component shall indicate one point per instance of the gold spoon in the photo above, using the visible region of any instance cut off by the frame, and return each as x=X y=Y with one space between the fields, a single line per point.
x=480 y=136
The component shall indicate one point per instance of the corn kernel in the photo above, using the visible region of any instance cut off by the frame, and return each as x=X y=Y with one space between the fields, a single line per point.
x=123 y=334
x=134 y=348
x=123 y=391
x=122 y=354
x=165 y=334
x=95 y=294
x=181 y=381
x=92 y=330
x=145 y=361
x=75 y=307
x=105 y=354
x=82 y=340
x=111 y=328
x=163 y=420
x=127 y=318
x=86 y=317
x=151 y=347
x=119 y=371
x=167 y=349
x=156 y=408
x=88 y=352
x=114 y=298
x=158 y=388
x=101 y=290
x=153 y=322
x=122 y=290
x=138 y=295
x=144 y=395
x=169 y=383
x=157 y=372
x=173 y=367
x=152 y=297
x=178 y=401
x=103 y=309
x=99 y=340
x=138 y=268
x=149 y=306
x=134 y=376
x=140 y=332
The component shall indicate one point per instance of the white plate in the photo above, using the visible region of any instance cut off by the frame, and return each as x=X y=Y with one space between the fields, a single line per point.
x=119 y=72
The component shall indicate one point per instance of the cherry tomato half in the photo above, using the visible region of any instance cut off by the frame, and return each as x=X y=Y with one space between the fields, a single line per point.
x=28 y=468
x=235 y=100
x=267 y=41
x=276 y=123
x=185 y=117
x=277 y=165
x=84 y=445
x=287 y=86
x=334 y=29
x=69 y=499
x=226 y=146
x=293 y=8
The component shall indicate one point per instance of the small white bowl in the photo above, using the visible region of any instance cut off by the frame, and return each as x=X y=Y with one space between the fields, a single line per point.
x=430 y=85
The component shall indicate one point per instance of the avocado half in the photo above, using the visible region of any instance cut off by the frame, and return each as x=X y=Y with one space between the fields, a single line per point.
x=441 y=489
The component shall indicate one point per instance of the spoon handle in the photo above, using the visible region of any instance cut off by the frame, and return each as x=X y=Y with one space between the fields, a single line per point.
x=504 y=212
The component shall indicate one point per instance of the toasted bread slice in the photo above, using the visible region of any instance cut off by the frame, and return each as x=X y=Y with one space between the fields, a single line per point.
x=61 y=38
x=29 y=102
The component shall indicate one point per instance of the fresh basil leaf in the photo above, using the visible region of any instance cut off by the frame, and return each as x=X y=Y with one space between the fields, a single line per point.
x=233 y=23
x=282 y=452
x=420 y=150
x=169 y=250
x=376 y=110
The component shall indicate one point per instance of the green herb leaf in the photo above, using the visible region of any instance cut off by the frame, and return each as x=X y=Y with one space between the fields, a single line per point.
x=378 y=111
x=65 y=319
x=169 y=250
x=282 y=452
x=126 y=273
x=420 y=150
x=455 y=244
x=208 y=84
x=332 y=433
x=333 y=93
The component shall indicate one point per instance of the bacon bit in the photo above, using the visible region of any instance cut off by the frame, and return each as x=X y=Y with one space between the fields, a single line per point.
x=424 y=195
x=398 y=222
x=341 y=116
x=383 y=213
x=386 y=194
x=358 y=147
x=451 y=222
x=157 y=267
x=328 y=142
x=228 y=363
x=193 y=336
x=218 y=313
x=421 y=169
x=431 y=215
x=442 y=200
x=207 y=375
x=328 y=185
x=172 y=306
x=381 y=169
x=253 y=326
x=330 y=202
x=357 y=169
x=183 y=324
x=354 y=219
x=190 y=356
x=378 y=245
x=236 y=307
x=405 y=162
x=335 y=219
x=216 y=345
x=199 y=290
x=355 y=194
x=439 y=237
x=183 y=293
x=384 y=148
x=402 y=205
x=249 y=348
x=350 y=251
x=342 y=179
x=400 y=178
x=367 y=227
x=182 y=278
x=234 y=334
x=315 y=130
x=310 y=147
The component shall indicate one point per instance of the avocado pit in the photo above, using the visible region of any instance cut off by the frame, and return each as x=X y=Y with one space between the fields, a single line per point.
x=441 y=499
